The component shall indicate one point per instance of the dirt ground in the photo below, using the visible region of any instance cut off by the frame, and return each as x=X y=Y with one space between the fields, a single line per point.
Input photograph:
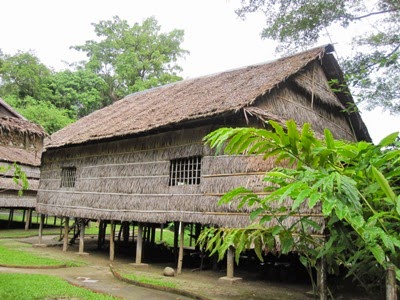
x=205 y=284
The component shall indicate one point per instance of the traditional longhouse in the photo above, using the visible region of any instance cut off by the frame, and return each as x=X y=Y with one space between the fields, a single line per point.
x=21 y=143
x=142 y=158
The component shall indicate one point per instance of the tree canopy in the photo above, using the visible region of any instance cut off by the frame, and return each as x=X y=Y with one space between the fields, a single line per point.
x=125 y=59
x=373 y=70
x=133 y=58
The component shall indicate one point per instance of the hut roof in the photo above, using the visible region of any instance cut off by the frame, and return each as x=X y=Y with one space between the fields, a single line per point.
x=190 y=100
x=10 y=111
x=15 y=124
x=20 y=126
x=29 y=157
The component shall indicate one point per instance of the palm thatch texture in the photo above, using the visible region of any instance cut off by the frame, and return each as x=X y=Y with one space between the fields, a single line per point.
x=142 y=158
x=21 y=143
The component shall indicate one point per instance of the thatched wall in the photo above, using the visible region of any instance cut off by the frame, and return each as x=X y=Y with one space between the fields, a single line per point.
x=31 y=172
x=11 y=199
x=129 y=180
x=21 y=142
x=295 y=100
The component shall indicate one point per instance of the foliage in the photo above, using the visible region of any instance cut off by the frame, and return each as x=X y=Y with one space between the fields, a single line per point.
x=78 y=93
x=43 y=113
x=18 y=176
x=34 y=286
x=374 y=68
x=22 y=75
x=133 y=58
x=355 y=186
x=126 y=59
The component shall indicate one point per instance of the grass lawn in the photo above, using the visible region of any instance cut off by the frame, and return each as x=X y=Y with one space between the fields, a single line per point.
x=163 y=282
x=18 y=254
x=18 y=216
x=21 y=233
x=30 y=286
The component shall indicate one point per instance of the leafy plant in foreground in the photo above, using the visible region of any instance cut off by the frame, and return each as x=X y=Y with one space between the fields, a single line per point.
x=344 y=200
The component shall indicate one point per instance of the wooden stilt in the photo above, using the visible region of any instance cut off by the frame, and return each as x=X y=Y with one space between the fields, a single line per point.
x=112 y=244
x=100 y=235
x=120 y=231
x=197 y=231
x=139 y=244
x=133 y=233
x=181 y=241
x=176 y=233
x=147 y=233
x=103 y=241
x=153 y=235
x=391 y=288
x=41 y=228
x=161 y=232
x=321 y=279
x=28 y=218
x=66 y=231
x=191 y=235
x=82 y=236
x=23 y=215
x=230 y=264
x=125 y=233
x=10 y=217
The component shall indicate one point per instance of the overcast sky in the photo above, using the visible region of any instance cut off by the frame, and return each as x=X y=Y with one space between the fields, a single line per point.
x=216 y=38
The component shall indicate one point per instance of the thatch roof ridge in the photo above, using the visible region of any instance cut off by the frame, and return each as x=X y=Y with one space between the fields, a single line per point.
x=21 y=126
x=11 y=110
x=186 y=100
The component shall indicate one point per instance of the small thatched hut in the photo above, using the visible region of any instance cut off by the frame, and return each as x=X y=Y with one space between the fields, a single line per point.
x=142 y=159
x=21 y=143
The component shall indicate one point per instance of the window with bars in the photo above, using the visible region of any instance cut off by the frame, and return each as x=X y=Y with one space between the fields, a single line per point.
x=184 y=171
x=68 y=176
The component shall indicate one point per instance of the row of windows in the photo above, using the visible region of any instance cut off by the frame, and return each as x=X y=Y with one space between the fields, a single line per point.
x=182 y=171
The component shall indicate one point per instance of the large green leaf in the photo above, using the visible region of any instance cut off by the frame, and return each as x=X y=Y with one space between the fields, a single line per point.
x=383 y=183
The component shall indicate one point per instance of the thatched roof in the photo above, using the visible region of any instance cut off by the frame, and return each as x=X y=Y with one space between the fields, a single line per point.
x=7 y=110
x=30 y=157
x=20 y=126
x=13 y=124
x=189 y=100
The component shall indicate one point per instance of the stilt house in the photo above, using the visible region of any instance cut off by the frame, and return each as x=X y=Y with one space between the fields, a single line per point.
x=21 y=143
x=142 y=158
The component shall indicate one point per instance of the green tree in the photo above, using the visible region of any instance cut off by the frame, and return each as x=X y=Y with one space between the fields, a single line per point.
x=43 y=113
x=79 y=92
x=23 y=75
x=133 y=58
x=354 y=185
x=373 y=70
